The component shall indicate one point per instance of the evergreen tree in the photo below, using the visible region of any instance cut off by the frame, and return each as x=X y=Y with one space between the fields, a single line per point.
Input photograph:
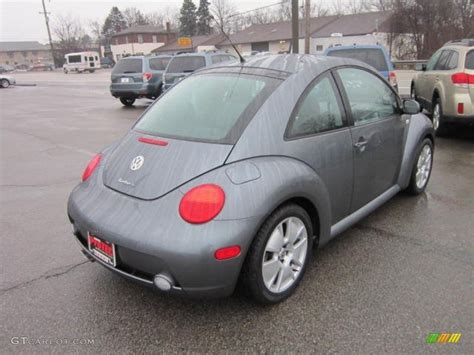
x=188 y=19
x=114 y=23
x=203 y=18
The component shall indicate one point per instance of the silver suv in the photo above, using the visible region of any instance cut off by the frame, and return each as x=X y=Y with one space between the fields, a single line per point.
x=445 y=85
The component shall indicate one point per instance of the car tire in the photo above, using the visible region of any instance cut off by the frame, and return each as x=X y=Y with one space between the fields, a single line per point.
x=284 y=262
x=127 y=101
x=4 y=83
x=92 y=71
x=422 y=167
x=439 y=124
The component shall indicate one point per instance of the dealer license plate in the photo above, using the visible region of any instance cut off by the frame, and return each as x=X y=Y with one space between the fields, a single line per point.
x=103 y=250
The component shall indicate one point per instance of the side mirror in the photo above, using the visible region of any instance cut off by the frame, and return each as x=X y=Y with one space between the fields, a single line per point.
x=411 y=107
x=420 y=67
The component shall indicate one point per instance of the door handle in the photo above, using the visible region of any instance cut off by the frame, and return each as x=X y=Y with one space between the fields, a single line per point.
x=360 y=145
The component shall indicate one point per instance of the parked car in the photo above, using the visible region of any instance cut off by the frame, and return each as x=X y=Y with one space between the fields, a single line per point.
x=374 y=55
x=137 y=77
x=184 y=64
x=238 y=170
x=6 y=81
x=5 y=68
x=23 y=66
x=42 y=67
x=81 y=62
x=106 y=62
x=445 y=85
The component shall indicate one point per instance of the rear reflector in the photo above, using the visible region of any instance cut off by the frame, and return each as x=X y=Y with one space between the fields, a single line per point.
x=227 y=252
x=392 y=78
x=91 y=167
x=202 y=203
x=147 y=76
x=462 y=79
x=460 y=107
x=153 y=141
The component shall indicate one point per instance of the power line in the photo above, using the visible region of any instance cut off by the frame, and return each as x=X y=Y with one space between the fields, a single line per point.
x=258 y=8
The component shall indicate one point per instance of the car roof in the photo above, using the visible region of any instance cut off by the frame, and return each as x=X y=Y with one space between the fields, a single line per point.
x=289 y=64
x=357 y=46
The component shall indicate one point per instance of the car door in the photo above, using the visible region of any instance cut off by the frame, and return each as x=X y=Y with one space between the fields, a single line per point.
x=377 y=132
x=421 y=84
x=319 y=135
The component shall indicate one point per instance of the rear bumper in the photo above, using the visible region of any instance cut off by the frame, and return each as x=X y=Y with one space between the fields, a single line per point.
x=468 y=120
x=151 y=239
x=135 y=90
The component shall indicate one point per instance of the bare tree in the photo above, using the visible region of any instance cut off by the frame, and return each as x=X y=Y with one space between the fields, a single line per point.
x=222 y=11
x=134 y=17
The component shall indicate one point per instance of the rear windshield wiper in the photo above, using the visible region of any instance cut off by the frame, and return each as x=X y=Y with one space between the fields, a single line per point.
x=129 y=72
x=188 y=71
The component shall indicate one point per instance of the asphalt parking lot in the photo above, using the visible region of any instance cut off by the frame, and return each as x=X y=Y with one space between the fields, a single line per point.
x=381 y=287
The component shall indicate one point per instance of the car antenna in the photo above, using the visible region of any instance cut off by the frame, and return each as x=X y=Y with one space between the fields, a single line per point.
x=242 y=60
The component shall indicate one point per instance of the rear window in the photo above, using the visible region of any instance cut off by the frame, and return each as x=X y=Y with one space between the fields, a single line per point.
x=371 y=56
x=131 y=65
x=470 y=60
x=74 y=59
x=208 y=107
x=186 y=64
x=159 y=63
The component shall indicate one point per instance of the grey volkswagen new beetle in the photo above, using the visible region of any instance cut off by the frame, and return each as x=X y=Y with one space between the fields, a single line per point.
x=238 y=171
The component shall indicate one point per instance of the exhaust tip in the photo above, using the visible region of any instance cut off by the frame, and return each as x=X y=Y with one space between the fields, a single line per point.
x=163 y=282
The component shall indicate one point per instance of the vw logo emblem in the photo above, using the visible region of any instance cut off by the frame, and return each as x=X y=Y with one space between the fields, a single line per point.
x=137 y=162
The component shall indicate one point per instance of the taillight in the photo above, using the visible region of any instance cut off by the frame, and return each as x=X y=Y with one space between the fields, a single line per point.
x=227 y=252
x=147 y=76
x=392 y=77
x=462 y=79
x=202 y=203
x=91 y=167
x=461 y=107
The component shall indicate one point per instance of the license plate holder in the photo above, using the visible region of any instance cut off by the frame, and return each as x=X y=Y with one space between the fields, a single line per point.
x=101 y=249
x=125 y=80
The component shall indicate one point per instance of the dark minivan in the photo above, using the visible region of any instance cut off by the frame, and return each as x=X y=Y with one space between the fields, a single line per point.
x=138 y=77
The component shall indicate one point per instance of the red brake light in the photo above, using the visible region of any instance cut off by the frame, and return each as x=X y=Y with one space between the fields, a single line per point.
x=147 y=76
x=202 y=203
x=91 y=167
x=227 y=252
x=153 y=141
x=392 y=78
x=461 y=107
x=462 y=79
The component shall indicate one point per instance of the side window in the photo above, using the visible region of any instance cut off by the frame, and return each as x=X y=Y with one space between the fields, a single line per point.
x=319 y=111
x=370 y=98
x=453 y=61
x=432 y=62
x=443 y=60
x=216 y=59
x=470 y=60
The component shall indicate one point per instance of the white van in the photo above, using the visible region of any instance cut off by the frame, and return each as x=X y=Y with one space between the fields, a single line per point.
x=81 y=62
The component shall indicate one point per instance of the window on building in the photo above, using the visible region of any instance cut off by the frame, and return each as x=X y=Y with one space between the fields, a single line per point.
x=140 y=38
x=154 y=38
x=319 y=48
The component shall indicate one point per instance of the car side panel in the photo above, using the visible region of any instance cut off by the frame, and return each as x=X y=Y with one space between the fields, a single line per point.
x=418 y=127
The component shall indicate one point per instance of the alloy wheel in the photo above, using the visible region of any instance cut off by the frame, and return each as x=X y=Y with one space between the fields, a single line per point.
x=285 y=254
x=436 y=116
x=423 y=166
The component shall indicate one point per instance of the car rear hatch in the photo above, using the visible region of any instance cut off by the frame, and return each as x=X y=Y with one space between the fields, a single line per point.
x=179 y=67
x=128 y=74
x=161 y=166
x=469 y=70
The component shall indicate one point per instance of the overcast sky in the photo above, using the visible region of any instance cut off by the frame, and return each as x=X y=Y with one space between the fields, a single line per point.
x=20 y=20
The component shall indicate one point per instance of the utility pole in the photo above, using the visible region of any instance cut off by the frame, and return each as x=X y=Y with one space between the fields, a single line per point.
x=46 y=18
x=294 y=26
x=307 y=27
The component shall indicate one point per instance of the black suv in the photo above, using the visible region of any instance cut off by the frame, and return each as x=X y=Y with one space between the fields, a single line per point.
x=138 y=76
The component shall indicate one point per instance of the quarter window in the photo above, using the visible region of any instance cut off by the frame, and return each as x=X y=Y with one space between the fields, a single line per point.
x=443 y=60
x=453 y=61
x=370 y=98
x=470 y=60
x=318 y=112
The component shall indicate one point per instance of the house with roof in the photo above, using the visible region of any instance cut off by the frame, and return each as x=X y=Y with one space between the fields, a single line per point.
x=359 y=29
x=24 y=52
x=198 y=44
x=326 y=31
x=140 y=40
x=272 y=37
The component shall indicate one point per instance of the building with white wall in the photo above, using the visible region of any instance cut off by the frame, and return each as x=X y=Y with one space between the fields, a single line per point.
x=139 y=40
